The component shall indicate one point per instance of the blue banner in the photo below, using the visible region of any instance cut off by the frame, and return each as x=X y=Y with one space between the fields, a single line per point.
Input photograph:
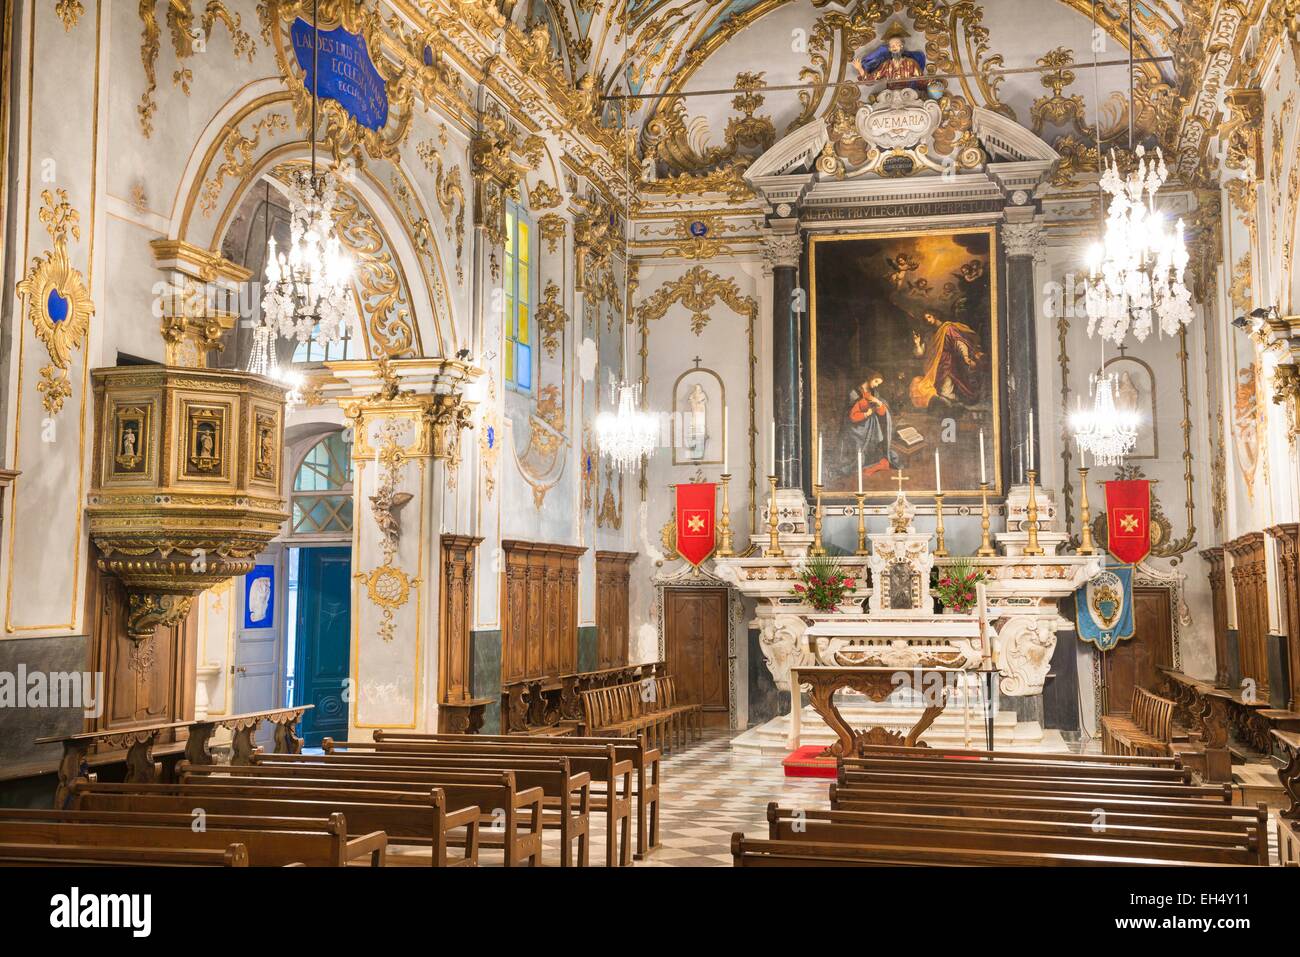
x=347 y=74
x=1103 y=607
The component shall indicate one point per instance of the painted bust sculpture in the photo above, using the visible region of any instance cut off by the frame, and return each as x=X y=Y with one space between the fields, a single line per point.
x=892 y=62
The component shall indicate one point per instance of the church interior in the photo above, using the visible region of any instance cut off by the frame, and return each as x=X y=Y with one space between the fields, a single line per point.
x=621 y=433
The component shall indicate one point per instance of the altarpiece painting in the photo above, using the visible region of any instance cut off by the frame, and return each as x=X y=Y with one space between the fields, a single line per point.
x=905 y=358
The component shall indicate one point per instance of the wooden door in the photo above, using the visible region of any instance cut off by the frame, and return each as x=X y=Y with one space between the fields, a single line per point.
x=695 y=642
x=324 y=626
x=1135 y=661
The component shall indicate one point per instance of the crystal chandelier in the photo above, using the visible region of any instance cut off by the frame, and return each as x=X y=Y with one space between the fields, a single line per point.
x=1106 y=433
x=1136 y=273
x=627 y=434
x=308 y=290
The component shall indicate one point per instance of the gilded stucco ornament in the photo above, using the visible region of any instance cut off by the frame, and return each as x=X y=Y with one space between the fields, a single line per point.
x=69 y=12
x=698 y=290
x=387 y=585
x=186 y=41
x=58 y=304
x=551 y=318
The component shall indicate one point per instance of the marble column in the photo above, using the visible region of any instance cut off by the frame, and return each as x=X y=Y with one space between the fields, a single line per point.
x=1023 y=244
x=407 y=418
x=783 y=249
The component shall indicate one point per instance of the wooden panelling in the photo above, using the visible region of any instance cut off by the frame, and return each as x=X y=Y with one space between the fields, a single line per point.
x=455 y=654
x=1250 y=591
x=1219 y=603
x=612 y=575
x=1288 y=559
x=145 y=683
x=695 y=641
x=539 y=635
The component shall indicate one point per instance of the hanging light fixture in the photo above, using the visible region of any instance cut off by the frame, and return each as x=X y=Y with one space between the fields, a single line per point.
x=262 y=358
x=1104 y=432
x=1136 y=272
x=628 y=433
x=308 y=289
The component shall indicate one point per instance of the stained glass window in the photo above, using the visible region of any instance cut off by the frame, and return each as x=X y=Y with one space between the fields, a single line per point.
x=517 y=286
x=322 y=489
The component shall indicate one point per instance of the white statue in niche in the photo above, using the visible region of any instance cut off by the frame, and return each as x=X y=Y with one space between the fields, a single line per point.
x=1126 y=394
x=259 y=600
x=695 y=429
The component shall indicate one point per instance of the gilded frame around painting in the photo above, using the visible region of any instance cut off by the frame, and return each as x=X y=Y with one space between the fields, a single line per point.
x=960 y=457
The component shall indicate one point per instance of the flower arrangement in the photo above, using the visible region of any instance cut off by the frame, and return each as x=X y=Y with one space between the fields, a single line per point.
x=956 y=586
x=823 y=583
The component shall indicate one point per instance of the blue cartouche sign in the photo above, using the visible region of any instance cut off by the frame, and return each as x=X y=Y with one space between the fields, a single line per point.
x=347 y=74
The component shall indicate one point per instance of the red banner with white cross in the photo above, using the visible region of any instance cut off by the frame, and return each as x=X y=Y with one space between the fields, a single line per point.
x=1128 y=520
x=695 y=511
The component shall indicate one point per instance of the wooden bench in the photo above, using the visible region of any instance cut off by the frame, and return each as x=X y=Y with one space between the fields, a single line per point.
x=82 y=855
x=611 y=768
x=552 y=707
x=1022 y=768
x=1145 y=730
x=1067 y=758
x=1026 y=783
x=405 y=820
x=1235 y=846
x=567 y=795
x=324 y=845
x=628 y=710
x=352 y=849
x=750 y=852
x=511 y=817
x=1206 y=712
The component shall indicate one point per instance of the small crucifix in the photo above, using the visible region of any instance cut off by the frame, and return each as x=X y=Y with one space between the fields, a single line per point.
x=900 y=480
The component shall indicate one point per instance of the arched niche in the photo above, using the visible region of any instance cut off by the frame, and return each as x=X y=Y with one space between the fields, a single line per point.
x=251 y=136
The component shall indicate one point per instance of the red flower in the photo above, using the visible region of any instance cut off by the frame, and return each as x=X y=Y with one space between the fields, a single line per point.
x=798 y=588
x=848 y=583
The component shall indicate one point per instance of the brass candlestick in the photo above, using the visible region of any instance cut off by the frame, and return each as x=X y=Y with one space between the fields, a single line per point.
x=773 y=549
x=986 y=549
x=817 y=548
x=1031 y=518
x=941 y=550
x=1085 y=537
x=862 y=524
x=725 y=547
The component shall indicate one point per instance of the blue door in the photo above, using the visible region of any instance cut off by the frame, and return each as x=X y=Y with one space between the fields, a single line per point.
x=323 y=641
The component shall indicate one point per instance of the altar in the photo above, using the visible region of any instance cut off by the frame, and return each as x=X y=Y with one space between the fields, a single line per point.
x=891 y=629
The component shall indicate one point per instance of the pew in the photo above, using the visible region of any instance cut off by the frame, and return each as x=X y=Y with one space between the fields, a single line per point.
x=569 y=794
x=633 y=759
x=514 y=811
x=1067 y=758
x=624 y=711
x=422 y=820
x=1146 y=729
x=751 y=852
x=323 y=845
x=1026 y=833
x=1029 y=783
x=80 y=855
x=1024 y=768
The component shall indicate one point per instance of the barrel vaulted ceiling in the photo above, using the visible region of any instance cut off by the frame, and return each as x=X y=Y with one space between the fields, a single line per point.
x=670 y=52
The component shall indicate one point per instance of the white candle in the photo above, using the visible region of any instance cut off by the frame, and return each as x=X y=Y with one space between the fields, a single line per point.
x=938 y=485
x=819 y=458
x=772 y=446
x=725 y=470
x=1031 y=440
x=983 y=475
x=859 y=471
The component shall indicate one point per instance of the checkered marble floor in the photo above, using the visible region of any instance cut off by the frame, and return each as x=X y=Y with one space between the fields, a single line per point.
x=708 y=793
